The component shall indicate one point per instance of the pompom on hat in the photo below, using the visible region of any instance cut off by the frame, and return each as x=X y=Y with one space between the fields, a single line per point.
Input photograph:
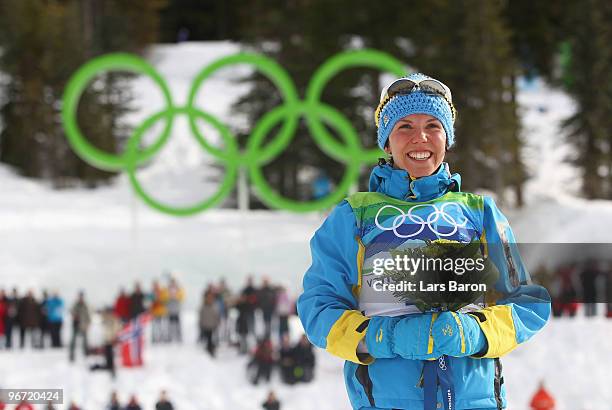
x=419 y=100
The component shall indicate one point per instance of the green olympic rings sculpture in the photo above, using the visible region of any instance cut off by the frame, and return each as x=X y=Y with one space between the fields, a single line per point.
x=316 y=113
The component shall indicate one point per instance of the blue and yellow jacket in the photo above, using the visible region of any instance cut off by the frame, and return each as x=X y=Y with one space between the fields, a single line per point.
x=339 y=299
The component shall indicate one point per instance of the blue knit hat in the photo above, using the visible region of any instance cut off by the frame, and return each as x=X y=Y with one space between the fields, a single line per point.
x=399 y=106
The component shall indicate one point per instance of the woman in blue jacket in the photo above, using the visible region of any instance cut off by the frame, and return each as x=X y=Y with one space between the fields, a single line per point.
x=398 y=357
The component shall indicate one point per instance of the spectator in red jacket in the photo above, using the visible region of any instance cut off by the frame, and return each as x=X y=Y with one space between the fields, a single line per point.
x=542 y=400
x=122 y=306
x=24 y=405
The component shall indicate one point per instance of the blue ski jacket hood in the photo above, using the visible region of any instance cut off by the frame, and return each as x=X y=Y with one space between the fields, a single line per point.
x=397 y=183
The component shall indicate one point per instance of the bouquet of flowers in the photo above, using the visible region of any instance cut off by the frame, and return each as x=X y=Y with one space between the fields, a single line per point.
x=447 y=275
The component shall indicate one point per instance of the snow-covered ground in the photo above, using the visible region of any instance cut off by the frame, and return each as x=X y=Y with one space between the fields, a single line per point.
x=192 y=379
x=99 y=240
x=569 y=355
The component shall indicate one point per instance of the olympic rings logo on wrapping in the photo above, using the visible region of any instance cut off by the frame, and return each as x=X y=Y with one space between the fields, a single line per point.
x=428 y=222
x=316 y=113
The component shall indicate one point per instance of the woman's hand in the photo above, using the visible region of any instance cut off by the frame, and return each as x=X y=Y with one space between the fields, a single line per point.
x=408 y=337
x=458 y=334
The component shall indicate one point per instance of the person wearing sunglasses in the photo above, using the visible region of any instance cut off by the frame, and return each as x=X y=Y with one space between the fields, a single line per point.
x=399 y=355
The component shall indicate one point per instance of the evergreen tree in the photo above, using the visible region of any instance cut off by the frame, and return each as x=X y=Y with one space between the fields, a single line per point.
x=536 y=29
x=43 y=43
x=488 y=122
x=467 y=45
x=301 y=36
x=199 y=20
x=589 y=80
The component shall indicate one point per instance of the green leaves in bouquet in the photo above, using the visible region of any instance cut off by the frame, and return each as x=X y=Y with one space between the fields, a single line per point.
x=447 y=253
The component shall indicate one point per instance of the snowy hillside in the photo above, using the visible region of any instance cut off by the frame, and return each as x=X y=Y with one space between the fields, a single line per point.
x=99 y=240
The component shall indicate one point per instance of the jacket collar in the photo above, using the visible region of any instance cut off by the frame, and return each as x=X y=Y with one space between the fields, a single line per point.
x=398 y=184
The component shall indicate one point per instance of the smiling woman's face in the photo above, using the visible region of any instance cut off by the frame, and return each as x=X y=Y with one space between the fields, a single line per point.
x=417 y=144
